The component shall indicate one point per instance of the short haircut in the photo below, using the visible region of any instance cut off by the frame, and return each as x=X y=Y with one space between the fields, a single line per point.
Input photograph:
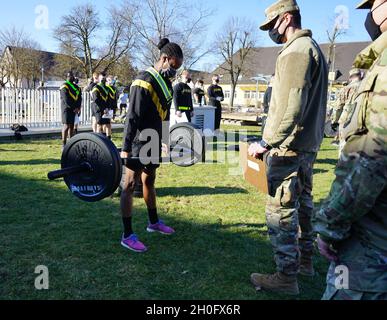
x=297 y=20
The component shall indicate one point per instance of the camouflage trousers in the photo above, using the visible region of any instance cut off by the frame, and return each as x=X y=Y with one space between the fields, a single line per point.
x=332 y=293
x=290 y=207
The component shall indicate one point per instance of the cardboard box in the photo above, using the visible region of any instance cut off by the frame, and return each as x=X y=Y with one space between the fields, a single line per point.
x=254 y=170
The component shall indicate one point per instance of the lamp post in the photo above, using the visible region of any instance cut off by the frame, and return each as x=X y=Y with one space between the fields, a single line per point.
x=259 y=78
x=42 y=75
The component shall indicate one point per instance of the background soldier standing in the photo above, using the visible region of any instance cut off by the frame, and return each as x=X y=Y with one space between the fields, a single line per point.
x=100 y=104
x=113 y=93
x=352 y=222
x=92 y=84
x=71 y=102
x=294 y=132
x=344 y=100
x=182 y=97
x=266 y=103
x=216 y=96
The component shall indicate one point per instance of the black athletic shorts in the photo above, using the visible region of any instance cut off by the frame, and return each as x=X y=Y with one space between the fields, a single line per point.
x=101 y=121
x=136 y=148
x=68 y=117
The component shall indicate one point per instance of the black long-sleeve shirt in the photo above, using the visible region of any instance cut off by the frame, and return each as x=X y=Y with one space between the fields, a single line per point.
x=182 y=97
x=200 y=94
x=70 y=99
x=100 y=99
x=267 y=99
x=90 y=87
x=148 y=108
x=113 y=95
x=215 y=92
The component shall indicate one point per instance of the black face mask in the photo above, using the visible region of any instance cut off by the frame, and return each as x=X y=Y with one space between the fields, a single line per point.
x=168 y=73
x=275 y=35
x=372 y=28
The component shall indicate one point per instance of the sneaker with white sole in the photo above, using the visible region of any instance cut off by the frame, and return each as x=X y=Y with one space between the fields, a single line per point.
x=160 y=227
x=134 y=244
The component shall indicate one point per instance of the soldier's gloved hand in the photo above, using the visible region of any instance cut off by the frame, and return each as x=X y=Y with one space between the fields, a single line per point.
x=327 y=251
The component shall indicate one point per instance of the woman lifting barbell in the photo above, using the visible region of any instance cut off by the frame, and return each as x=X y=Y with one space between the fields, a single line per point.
x=150 y=102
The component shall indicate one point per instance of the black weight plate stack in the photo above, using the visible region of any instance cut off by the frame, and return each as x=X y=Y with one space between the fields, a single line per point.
x=187 y=145
x=105 y=162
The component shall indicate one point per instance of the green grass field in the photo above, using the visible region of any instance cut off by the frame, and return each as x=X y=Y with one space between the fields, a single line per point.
x=221 y=234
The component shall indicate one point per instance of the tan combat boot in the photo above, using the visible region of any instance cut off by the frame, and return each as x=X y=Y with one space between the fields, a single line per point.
x=306 y=267
x=279 y=283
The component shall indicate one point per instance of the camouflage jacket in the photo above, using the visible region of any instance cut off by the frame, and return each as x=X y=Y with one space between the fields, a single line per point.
x=354 y=217
x=346 y=96
x=299 y=98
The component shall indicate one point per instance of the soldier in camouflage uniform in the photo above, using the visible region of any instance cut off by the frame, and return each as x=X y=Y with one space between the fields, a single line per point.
x=292 y=137
x=352 y=222
x=343 y=103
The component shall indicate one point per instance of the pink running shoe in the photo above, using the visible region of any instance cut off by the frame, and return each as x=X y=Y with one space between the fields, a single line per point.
x=160 y=227
x=132 y=243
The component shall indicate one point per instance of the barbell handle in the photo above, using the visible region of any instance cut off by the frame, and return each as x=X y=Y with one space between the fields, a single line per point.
x=86 y=167
x=63 y=173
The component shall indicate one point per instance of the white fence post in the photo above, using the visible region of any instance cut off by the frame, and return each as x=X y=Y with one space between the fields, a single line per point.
x=36 y=108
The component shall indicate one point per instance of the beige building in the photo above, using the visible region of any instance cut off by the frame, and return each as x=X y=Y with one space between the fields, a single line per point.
x=261 y=65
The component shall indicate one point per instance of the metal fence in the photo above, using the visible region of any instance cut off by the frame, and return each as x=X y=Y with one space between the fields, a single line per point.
x=36 y=108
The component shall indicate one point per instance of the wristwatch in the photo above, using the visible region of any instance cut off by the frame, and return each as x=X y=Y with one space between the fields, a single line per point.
x=265 y=145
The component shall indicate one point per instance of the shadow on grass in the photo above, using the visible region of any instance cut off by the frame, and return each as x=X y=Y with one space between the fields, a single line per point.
x=320 y=171
x=197 y=191
x=14 y=150
x=30 y=162
x=331 y=162
x=79 y=243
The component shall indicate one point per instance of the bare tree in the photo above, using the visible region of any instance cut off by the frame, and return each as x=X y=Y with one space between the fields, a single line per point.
x=21 y=59
x=334 y=34
x=64 y=63
x=234 y=45
x=124 y=70
x=81 y=36
x=181 y=21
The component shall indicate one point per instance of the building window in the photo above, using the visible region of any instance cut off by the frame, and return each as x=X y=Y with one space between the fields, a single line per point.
x=247 y=94
x=227 y=94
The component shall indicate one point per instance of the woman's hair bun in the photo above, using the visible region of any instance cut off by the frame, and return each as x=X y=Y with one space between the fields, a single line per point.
x=163 y=43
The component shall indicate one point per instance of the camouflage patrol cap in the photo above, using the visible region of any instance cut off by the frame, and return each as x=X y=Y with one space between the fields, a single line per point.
x=276 y=9
x=354 y=72
x=365 y=4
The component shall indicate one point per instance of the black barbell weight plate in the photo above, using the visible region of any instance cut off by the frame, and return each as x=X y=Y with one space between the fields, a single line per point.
x=105 y=162
x=186 y=145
